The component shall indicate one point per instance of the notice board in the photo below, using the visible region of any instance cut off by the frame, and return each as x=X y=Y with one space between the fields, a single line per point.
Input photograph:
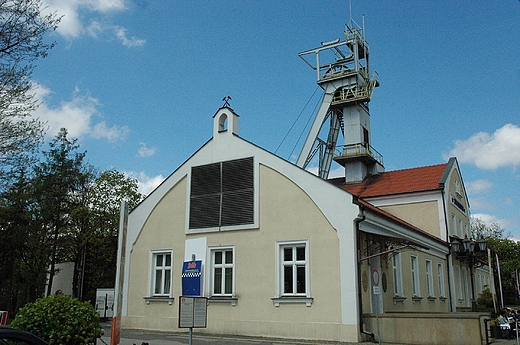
x=192 y=312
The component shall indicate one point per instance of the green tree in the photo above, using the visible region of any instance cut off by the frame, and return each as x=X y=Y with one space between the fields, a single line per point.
x=22 y=31
x=22 y=277
x=99 y=253
x=508 y=253
x=58 y=185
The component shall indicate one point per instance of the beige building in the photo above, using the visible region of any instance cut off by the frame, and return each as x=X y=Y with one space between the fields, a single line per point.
x=287 y=254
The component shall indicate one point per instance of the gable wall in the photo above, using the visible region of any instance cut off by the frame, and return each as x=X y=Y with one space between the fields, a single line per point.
x=424 y=215
x=286 y=212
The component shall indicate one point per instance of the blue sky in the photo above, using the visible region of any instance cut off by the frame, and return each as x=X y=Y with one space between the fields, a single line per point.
x=138 y=81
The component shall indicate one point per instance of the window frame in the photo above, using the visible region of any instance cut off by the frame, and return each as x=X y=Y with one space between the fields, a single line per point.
x=429 y=278
x=440 y=274
x=293 y=297
x=153 y=269
x=414 y=270
x=223 y=265
x=397 y=274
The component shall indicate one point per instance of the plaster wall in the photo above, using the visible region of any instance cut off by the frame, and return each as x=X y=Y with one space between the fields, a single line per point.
x=286 y=213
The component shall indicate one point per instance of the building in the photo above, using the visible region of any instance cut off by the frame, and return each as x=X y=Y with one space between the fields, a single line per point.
x=286 y=253
x=289 y=254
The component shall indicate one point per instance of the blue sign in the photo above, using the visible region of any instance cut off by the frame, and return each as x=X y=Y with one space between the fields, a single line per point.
x=192 y=278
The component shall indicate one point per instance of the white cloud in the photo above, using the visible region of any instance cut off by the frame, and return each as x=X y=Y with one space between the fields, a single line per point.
x=76 y=116
x=490 y=219
x=128 y=42
x=145 y=151
x=490 y=151
x=478 y=186
x=146 y=184
x=73 y=14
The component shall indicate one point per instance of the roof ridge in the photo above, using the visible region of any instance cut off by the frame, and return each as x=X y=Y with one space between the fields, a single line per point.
x=414 y=168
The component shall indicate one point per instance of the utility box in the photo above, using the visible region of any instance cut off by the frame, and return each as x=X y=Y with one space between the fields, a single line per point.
x=105 y=302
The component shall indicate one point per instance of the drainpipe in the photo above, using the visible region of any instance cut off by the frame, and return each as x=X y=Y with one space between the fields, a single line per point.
x=361 y=217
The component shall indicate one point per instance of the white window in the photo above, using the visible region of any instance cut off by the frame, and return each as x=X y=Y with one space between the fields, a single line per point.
x=461 y=230
x=397 y=274
x=459 y=283
x=440 y=272
x=293 y=269
x=429 y=278
x=454 y=225
x=222 y=271
x=415 y=276
x=161 y=282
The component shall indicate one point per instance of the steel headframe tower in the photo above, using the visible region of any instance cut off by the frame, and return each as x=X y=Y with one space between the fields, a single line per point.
x=343 y=71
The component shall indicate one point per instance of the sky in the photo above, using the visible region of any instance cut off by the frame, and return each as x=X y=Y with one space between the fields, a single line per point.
x=137 y=82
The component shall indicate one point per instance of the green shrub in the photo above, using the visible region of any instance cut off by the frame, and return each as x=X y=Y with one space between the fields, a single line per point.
x=60 y=320
x=485 y=300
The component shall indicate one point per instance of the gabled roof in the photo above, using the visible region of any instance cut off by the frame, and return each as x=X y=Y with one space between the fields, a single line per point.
x=397 y=220
x=412 y=180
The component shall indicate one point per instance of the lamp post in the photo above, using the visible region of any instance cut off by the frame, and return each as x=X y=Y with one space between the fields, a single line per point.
x=464 y=250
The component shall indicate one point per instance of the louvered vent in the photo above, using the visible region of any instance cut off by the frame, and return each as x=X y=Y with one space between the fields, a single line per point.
x=222 y=194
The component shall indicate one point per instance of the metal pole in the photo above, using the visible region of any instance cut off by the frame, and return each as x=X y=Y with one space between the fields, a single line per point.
x=473 y=301
x=190 y=340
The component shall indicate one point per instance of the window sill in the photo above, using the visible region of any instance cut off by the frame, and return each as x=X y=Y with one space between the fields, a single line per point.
x=399 y=299
x=432 y=298
x=292 y=299
x=417 y=298
x=443 y=299
x=159 y=299
x=223 y=299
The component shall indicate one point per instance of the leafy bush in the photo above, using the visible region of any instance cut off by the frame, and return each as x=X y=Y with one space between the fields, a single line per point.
x=60 y=320
x=485 y=300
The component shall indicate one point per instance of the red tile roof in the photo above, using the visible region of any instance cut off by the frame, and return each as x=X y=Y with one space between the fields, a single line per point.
x=396 y=182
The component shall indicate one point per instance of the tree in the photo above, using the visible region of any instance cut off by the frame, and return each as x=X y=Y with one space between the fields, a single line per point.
x=480 y=229
x=508 y=252
x=99 y=253
x=58 y=185
x=22 y=248
x=22 y=31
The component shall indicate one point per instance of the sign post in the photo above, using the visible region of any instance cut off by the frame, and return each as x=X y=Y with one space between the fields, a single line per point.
x=193 y=313
x=115 y=335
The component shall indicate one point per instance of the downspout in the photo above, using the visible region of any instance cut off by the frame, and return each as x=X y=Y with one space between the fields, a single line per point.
x=360 y=217
x=448 y=266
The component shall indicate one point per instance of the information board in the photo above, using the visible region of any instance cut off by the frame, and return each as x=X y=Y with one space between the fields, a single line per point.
x=192 y=312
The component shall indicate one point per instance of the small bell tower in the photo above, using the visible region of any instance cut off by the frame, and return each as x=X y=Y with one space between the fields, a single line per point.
x=343 y=72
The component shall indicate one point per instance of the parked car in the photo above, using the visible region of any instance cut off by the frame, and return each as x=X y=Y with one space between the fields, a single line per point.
x=10 y=336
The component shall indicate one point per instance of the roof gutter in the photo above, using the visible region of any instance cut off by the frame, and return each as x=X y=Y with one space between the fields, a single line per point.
x=360 y=218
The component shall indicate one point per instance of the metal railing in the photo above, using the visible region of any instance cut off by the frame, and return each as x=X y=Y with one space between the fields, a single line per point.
x=358 y=149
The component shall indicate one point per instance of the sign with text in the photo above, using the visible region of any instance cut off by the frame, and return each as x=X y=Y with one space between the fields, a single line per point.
x=193 y=312
x=192 y=278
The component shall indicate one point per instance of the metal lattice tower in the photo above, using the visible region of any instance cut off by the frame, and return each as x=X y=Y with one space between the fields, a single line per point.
x=343 y=71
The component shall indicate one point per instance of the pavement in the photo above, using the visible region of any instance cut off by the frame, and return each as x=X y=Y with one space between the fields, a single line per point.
x=139 y=337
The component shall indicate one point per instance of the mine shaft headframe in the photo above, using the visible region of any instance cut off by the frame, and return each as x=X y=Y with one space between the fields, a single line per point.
x=336 y=59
